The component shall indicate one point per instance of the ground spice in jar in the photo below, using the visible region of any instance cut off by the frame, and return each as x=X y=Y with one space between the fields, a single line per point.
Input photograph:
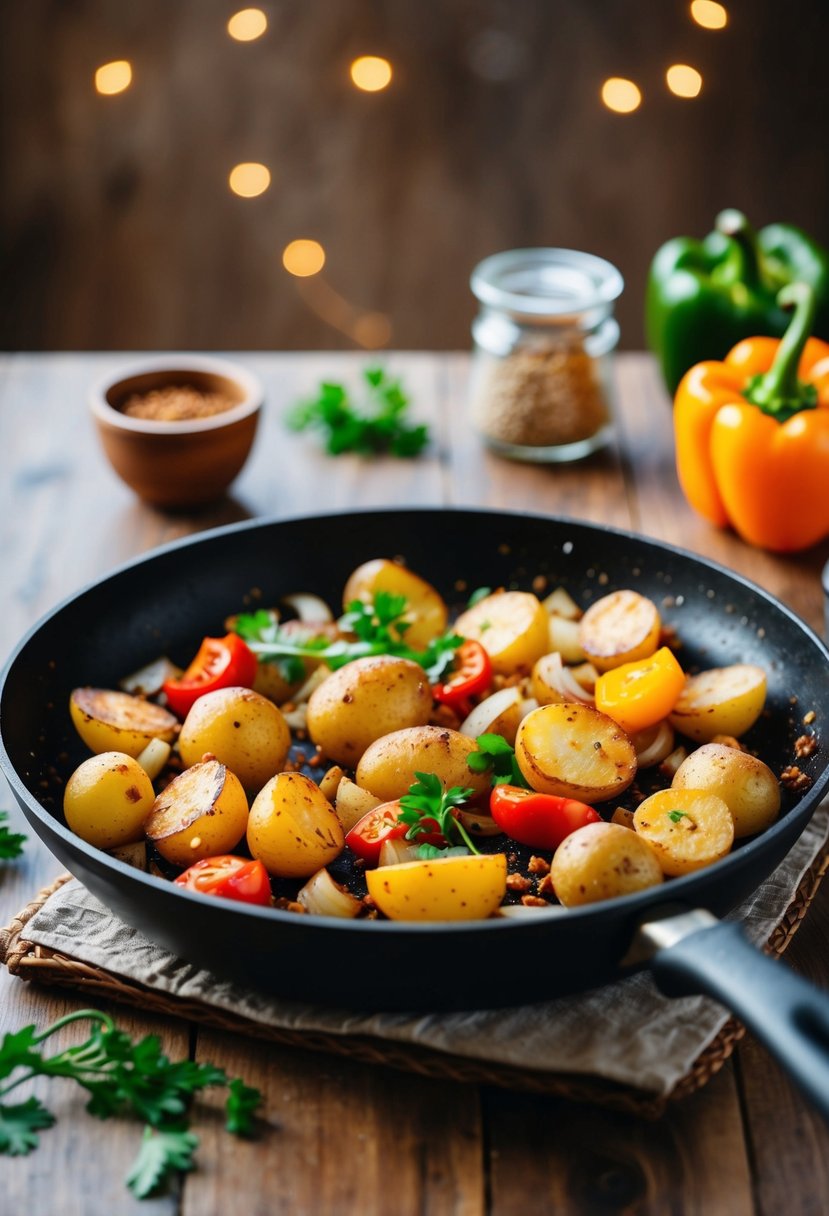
x=541 y=397
x=176 y=403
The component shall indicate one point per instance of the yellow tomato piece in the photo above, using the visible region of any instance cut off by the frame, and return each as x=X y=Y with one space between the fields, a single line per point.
x=638 y=695
x=512 y=627
x=426 y=613
x=449 y=888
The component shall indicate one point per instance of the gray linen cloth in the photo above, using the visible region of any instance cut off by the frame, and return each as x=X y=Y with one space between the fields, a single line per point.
x=627 y=1032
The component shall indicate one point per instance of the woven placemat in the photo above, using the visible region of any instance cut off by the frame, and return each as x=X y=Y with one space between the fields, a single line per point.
x=37 y=963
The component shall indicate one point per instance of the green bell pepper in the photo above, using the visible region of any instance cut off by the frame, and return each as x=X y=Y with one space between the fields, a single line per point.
x=704 y=296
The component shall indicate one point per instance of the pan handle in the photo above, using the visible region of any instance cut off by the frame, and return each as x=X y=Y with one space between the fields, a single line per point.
x=787 y=1014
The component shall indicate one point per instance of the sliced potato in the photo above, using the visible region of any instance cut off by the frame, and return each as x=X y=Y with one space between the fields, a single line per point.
x=201 y=813
x=512 y=627
x=107 y=799
x=242 y=729
x=747 y=786
x=499 y=714
x=687 y=829
x=293 y=829
x=110 y=721
x=352 y=803
x=427 y=613
x=622 y=627
x=722 y=701
x=389 y=765
x=576 y=752
x=565 y=637
x=602 y=861
x=450 y=888
x=365 y=700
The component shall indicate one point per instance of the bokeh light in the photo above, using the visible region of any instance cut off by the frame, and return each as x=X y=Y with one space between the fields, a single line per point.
x=372 y=330
x=621 y=95
x=371 y=73
x=113 y=77
x=247 y=25
x=249 y=179
x=303 y=258
x=709 y=14
x=683 y=81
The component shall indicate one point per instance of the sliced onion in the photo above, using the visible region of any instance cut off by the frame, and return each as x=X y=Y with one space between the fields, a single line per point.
x=317 y=677
x=478 y=824
x=586 y=675
x=352 y=803
x=296 y=718
x=562 y=679
x=394 y=852
x=154 y=756
x=565 y=637
x=561 y=603
x=149 y=680
x=309 y=607
x=652 y=746
x=524 y=911
x=505 y=704
x=321 y=896
x=672 y=762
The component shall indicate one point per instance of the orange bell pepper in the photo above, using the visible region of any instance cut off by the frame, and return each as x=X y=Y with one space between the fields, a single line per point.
x=752 y=435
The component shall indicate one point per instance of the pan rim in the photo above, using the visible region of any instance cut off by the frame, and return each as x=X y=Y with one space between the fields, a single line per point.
x=674 y=892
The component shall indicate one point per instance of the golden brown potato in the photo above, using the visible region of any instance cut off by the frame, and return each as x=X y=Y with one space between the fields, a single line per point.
x=388 y=767
x=687 y=829
x=109 y=721
x=293 y=829
x=747 y=786
x=601 y=861
x=427 y=613
x=512 y=627
x=242 y=729
x=574 y=751
x=622 y=627
x=722 y=701
x=365 y=700
x=107 y=799
x=201 y=813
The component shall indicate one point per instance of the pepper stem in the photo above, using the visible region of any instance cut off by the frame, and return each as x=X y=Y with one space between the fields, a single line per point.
x=734 y=224
x=779 y=392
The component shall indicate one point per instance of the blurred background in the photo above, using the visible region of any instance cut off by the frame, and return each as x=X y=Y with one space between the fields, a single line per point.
x=326 y=173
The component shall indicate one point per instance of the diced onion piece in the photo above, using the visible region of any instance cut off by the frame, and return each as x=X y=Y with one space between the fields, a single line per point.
x=309 y=607
x=331 y=781
x=318 y=676
x=564 y=637
x=134 y=854
x=296 y=718
x=499 y=714
x=528 y=705
x=149 y=680
x=653 y=745
x=564 y=681
x=561 y=603
x=321 y=896
x=154 y=756
x=586 y=675
x=622 y=816
x=395 y=852
x=672 y=762
x=353 y=802
x=478 y=824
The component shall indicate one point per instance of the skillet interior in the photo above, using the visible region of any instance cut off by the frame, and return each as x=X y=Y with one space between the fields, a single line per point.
x=165 y=603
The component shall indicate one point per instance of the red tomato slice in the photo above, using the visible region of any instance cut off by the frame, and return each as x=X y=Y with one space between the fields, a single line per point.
x=220 y=663
x=471 y=675
x=230 y=877
x=539 y=820
x=366 y=837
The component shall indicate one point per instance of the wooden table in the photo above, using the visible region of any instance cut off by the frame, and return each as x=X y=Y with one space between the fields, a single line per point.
x=340 y=1136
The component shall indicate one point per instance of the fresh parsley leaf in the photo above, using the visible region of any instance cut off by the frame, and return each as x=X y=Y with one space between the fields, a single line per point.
x=162 y=1151
x=429 y=808
x=378 y=621
x=431 y=852
x=20 y=1124
x=479 y=594
x=11 y=843
x=675 y=816
x=496 y=756
x=376 y=424
x=18 y=1050
x=242 y=1103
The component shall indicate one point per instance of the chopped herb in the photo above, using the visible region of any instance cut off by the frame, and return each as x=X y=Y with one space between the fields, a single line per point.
x=379 y=424
x=121 y=1076
x=11 y=843
x=428 y=807
x=495 y=755
x=479 y=594
x=675 y=816
x=431 y=852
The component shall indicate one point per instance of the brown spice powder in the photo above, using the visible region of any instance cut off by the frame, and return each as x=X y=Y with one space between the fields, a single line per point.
x=176 y=403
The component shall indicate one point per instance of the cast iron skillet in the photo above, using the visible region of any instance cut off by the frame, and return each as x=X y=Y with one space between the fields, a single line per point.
x=167 y=602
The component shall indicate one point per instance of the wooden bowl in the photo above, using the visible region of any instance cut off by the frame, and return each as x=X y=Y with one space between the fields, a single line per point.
x=183 y=463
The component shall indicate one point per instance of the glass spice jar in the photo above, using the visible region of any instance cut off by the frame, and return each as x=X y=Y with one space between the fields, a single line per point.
x=541 y=387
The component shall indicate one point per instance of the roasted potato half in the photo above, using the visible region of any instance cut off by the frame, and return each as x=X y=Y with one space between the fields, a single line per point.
x=687 y=829
x=110 y=721
x=512 y=627
x=388 y=767
x=746 y=785
x=722 y=701
x=574 y=751
x=201 y=813
x=622 y=627
x=427 y=614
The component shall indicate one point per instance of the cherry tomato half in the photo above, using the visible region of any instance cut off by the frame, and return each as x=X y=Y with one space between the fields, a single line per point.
x=366 y=837
x=471 y=675
x=229 y=877
x=638 y=695
x=220 y=663
x=540 y=820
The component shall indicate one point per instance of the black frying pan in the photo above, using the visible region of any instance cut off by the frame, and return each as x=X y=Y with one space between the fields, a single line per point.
x=166 y=602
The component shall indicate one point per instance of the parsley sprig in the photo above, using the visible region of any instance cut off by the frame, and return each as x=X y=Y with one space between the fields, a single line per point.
x=429 y=808
x=378 y=424
x=121 y=1076
x=496 y=756
x=11 y=843
x=379 y=628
